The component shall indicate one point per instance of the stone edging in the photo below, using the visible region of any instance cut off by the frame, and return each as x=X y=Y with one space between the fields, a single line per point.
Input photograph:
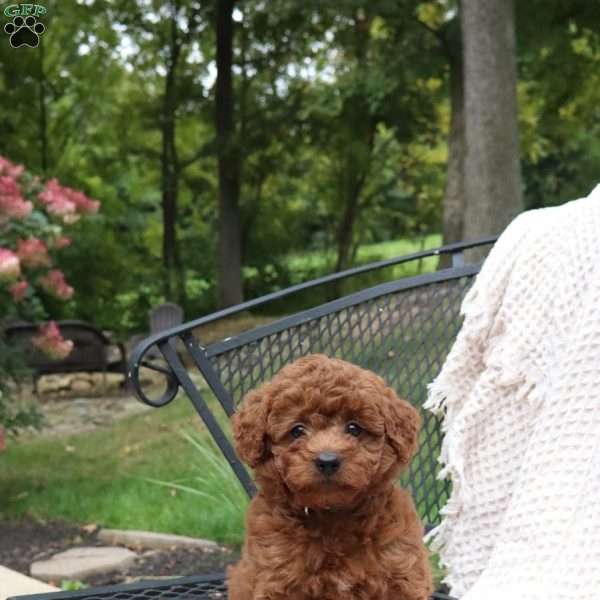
x=152 y=541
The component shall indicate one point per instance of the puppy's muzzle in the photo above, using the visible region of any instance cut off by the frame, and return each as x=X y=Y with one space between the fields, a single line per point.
x=328 y=463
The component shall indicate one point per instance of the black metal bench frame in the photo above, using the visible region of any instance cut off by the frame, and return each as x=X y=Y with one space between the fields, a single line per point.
x=441 y=291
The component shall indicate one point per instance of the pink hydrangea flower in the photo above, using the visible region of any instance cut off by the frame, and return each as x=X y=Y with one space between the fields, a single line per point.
x=9 y=168
x=56 y=201
x=54 y=283
x=66 y=202
x=51 y=342
x=18 y=290
x=33 y=253
x=12 y=203
x=10 y=266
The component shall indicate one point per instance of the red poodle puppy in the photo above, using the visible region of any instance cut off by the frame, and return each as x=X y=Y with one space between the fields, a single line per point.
x=327 y=440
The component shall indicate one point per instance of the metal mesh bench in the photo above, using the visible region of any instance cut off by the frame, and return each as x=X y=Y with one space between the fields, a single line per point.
x=401 y=329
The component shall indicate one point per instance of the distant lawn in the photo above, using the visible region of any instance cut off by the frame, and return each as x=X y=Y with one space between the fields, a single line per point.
x=324 y=262
x=100 y=477
x=311 y=265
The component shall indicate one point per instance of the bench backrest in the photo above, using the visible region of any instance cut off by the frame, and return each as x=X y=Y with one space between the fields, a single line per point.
x=401 y=329
x=89 y=347
x=165 y=316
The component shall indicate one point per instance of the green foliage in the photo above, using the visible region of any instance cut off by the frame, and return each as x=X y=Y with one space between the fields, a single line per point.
x=15 y=415
x=213 y=482
x=70 y=585
x=341 y=118
x=559 y=97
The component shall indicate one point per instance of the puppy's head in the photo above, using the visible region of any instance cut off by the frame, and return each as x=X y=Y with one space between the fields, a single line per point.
x=328 y=429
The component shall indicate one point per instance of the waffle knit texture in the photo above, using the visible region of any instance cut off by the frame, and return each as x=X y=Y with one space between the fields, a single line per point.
x=520 y=398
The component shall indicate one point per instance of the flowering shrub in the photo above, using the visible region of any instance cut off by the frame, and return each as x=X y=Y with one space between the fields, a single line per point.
x=32 y=218
x=9 y=265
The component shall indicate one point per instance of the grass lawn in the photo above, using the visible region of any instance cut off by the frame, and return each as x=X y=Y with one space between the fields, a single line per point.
x=101 y=477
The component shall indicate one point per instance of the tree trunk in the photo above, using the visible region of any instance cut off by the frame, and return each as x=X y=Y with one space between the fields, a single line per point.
x=453 y=206
x=229 y=259
x=169 y=171
x=492 y=169
x=346 y=227
x=169 y=208
x=361 y=138
x=454 y=196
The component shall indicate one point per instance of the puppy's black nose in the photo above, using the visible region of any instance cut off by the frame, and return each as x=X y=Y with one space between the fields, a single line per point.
x=328 y=463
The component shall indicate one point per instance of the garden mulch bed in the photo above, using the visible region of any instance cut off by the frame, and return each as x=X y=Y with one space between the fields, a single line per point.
x=24 y=542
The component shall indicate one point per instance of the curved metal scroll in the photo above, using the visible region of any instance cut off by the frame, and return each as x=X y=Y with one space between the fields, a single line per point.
x=138 y=360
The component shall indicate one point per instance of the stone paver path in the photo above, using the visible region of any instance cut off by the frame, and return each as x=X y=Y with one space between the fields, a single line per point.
x=68 y=408
x=78 y=563
x=74 y=415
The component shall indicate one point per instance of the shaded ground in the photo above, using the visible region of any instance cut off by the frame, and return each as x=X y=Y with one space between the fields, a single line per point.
x=24 y=542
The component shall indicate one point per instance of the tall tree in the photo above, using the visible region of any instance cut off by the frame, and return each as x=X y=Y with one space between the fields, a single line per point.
x=167 y=59
x=169 y=158
x=229 y=251
x=171 y=165
x=453 y=209
x=491 y=165
x=355 y=160
x=379 y=89
x=443 y=21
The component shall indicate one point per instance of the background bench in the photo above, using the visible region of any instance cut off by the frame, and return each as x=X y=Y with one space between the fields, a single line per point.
x=91 y=352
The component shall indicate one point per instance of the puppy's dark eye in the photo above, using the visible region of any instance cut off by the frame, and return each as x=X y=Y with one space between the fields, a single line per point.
x=354 y=429
x=298 y=431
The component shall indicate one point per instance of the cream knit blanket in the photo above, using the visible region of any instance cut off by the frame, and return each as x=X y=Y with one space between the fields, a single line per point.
x=520 y=395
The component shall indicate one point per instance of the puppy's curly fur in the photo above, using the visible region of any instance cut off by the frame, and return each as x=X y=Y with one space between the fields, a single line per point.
x=327 y=440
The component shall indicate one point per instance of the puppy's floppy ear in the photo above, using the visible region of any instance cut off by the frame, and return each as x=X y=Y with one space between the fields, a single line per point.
x=402 y=425
x=250 y=428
